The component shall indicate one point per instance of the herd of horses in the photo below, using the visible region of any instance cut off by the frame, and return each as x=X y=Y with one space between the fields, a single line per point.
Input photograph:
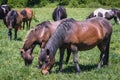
x=64 y=33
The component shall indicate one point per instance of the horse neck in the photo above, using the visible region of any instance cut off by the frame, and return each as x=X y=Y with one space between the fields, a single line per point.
x=53 y=45
x=56 y=40
x=30 y=42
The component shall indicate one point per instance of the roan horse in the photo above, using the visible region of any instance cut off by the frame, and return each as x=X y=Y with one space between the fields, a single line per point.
x=38 y=35
x=108 y=14
x=27 y=14
x=13 y=20
x=4 y=9
x=79 y=36
x=59 y=13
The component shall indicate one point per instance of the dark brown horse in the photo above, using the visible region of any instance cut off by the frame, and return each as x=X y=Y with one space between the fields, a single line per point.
x=59 y=13
x=4 y=9
x=13 y=20
x=79 y=36
x=38 y=35
x=27 y=14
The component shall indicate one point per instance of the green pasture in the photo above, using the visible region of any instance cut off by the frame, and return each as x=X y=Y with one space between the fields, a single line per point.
x=12 y=65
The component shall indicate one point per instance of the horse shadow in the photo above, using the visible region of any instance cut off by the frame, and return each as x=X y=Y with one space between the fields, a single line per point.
x=71 y=68
x=19 y=39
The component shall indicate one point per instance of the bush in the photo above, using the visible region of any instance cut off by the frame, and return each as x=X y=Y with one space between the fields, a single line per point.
x=93 y=5
x=73 y=3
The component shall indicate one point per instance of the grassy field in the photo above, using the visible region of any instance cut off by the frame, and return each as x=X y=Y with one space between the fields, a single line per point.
x=12 y=66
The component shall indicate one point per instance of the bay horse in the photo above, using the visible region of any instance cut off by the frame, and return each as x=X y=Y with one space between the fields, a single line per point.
x=27 y=14
x=4 y=9
x=108 y=14
x=39 y=36
x=59 y=13
x=79 y=35
x=13 y=20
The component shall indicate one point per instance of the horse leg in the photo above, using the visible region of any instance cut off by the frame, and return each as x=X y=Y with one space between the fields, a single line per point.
x=62 y=50
x=68 y=54
x=75 y=58
x=15 y=36
x=117 y=20
x=23 y=24
x=104 y=56
x=39 y=65
x=10 y=34
x=27 y=25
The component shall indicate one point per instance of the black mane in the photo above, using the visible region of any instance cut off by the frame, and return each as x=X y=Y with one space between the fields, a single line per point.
x=57 y=39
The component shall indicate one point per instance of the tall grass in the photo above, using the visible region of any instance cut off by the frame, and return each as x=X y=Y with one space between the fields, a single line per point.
x=12 y=66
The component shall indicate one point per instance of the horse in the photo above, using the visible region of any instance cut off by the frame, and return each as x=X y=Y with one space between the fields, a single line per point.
x=38 y=36
x=59 y=13
x=108 y=14
x=78 y=35
x=13 y=20
x=4 y=9
x=27 y=14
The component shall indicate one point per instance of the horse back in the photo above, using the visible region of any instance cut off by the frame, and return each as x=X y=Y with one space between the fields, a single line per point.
x=89 y=33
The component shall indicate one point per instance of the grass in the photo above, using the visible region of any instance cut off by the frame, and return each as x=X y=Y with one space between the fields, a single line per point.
x=12 y=66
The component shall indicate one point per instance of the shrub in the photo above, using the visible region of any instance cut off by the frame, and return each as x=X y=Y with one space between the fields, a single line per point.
x=73 y=3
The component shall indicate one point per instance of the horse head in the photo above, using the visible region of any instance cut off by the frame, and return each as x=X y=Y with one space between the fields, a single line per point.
x=27 y=56
x=47 y=61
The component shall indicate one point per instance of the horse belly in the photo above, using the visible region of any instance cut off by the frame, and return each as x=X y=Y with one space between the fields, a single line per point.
x=83 y=46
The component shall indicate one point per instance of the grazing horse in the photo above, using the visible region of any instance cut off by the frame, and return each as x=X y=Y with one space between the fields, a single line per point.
x=108 y=14
x=38 y=35
x=13 y=20
x=79 y=35
x=27 y=14
x=59 y=13
x=4 y=9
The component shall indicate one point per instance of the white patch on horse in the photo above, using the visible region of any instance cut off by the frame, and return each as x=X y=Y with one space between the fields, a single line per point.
x=100 y=10
x=3 y=9
x=42 y=33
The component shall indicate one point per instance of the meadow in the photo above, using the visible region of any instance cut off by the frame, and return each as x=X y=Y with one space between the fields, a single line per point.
x=12 y=65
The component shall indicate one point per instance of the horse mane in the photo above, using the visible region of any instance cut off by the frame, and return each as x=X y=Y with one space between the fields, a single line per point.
x=30 y=34
x=58 y=37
